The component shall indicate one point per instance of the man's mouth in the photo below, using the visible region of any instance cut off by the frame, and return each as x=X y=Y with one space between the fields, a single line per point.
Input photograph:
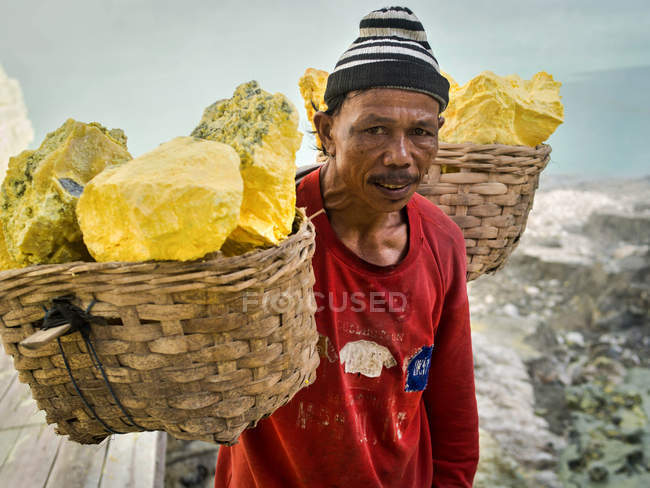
x=393 y=186
x=394 y=189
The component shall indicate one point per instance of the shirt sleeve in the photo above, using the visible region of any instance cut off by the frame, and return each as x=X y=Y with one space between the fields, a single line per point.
x=450 y=399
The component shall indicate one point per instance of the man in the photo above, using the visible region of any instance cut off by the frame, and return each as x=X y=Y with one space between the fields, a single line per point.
x=393 y=404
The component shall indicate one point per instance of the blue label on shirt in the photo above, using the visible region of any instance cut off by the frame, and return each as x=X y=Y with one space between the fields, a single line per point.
x=417 y=371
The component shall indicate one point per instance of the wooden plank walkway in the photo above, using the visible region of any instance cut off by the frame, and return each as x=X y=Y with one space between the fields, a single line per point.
x=33 y=456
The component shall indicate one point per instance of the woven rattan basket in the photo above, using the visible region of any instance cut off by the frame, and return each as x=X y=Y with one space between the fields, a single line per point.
x=200 y=349
x=488 y=191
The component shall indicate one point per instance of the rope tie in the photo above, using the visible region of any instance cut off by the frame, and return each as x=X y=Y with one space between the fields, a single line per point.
x=64 y=312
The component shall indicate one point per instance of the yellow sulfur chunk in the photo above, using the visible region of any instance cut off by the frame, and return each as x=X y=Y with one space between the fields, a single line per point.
x=312 y=88
x=177 y=202
x=41 y=189
x=453 y=84
x=263 y=129
x=491 y=109
x=6 y=261
x=488 y=109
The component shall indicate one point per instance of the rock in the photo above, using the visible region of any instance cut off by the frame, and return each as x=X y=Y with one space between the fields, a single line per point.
x=312 y=88
x=625 y=302
x=15 y=128
x=548 y=369
x=593 y=309
x=196 y=478
x=504 y=110
x=603 y=369
x=575 y=339
x=555 y=227
x=6 y=261
x=506 y=406
x=617 y=227
x=511 y=310
x=625 y=251
x=488 y=109
x=496 y=468
x=532 y=290
x=177 y=202
x=609 y=441
x=598 y=472
x=41 y=189
x=263 y=129
x=190 y=463
x=544 y=338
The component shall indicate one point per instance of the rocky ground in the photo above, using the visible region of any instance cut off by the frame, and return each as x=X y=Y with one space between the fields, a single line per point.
x=562 y=342
x=189 y=464
x=562 y=348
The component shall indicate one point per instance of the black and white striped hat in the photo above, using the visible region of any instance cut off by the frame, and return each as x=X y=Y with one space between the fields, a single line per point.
x=391 y=51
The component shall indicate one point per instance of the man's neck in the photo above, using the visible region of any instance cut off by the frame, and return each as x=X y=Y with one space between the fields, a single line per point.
x=380 y=238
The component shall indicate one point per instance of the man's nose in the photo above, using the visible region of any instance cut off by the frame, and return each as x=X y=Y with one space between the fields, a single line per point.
x=398 y=151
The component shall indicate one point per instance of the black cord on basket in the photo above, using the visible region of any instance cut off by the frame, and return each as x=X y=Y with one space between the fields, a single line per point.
x=64 y=312
x=98 y=365
x=83 y=398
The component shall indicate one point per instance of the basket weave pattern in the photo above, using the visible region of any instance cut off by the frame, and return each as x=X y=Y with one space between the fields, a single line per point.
x=200 y=349
x=488 y=191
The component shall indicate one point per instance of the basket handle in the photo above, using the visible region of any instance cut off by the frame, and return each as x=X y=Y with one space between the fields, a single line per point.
x=62 y=318
x=45 y=336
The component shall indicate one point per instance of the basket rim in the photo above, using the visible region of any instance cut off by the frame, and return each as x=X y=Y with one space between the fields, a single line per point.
x=488 y=147
x=210 y=261
x=457 y=151
x=497 y=158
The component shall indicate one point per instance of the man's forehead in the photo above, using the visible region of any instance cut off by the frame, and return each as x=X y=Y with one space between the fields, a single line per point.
x=386 y=103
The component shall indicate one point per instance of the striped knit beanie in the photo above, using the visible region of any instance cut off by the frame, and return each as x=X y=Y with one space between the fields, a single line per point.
x=392 y=52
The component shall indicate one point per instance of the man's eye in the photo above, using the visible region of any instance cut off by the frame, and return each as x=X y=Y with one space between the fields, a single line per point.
x=376 y=130
x=418 y=131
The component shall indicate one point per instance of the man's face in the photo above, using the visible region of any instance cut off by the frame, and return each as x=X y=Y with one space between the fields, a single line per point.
x=384 y=140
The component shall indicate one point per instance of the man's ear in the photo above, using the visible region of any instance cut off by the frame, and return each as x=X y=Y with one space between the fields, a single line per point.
x=323 y=123
x=441 y=121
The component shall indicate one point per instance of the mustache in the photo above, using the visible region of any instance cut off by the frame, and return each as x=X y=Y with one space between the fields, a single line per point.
x=397 y=178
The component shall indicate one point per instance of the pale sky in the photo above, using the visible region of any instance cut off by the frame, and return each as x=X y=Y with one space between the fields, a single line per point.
x=150 y=67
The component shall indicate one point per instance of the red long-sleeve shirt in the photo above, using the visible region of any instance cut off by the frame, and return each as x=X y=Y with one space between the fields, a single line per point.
x=393 y=404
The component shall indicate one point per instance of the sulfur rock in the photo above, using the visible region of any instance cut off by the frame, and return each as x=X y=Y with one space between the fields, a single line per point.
x=6 y=261
x=491 y=109
x=312 y=88
x=41 y=189
x=263 y=129
x=177 y=202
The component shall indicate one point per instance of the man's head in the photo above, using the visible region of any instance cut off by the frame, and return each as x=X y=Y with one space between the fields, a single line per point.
x=384 y=99
x=391 y=51
x=382 y=141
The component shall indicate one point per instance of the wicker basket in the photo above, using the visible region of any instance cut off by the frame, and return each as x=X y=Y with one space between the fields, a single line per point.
x=488 y=191
x=201 y=349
